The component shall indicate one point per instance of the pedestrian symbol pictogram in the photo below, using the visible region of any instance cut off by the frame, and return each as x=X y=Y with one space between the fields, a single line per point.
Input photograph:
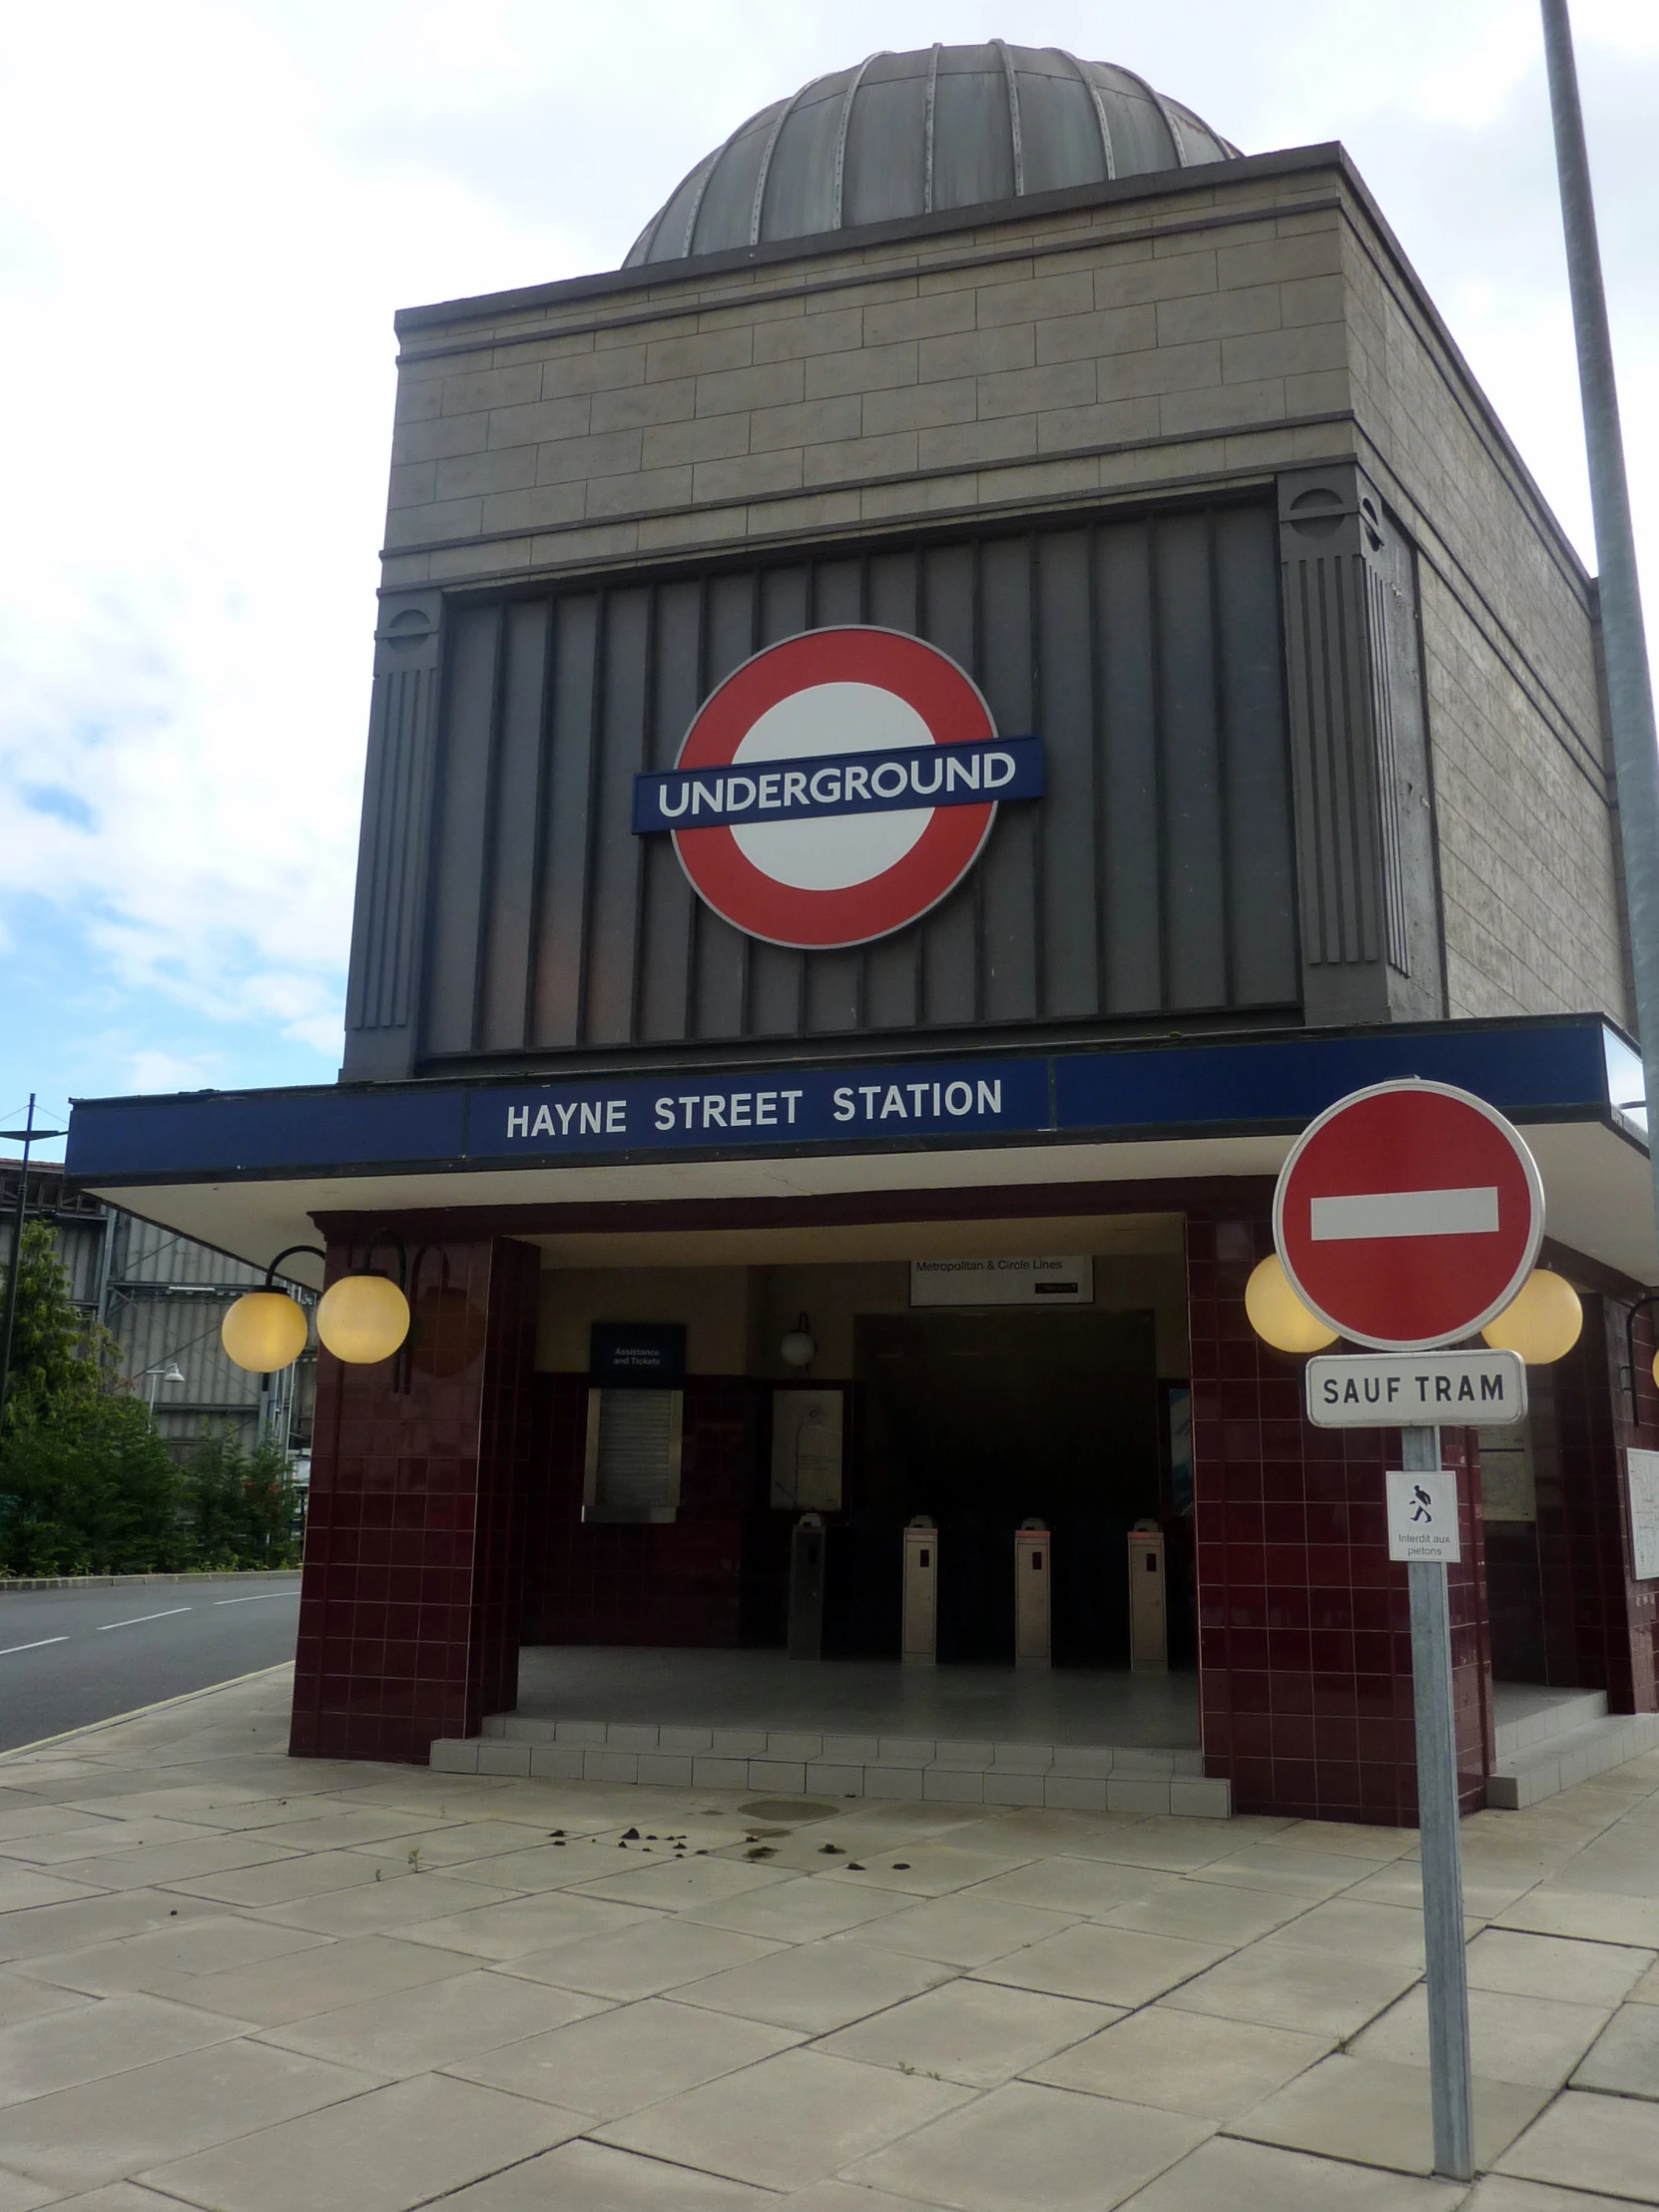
x=1423 y=1515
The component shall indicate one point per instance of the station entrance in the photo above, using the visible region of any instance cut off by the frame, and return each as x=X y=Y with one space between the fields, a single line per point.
x=984 y=1422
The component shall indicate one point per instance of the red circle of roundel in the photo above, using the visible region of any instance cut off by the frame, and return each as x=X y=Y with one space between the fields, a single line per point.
x=1408 y=1215
x=927 y=681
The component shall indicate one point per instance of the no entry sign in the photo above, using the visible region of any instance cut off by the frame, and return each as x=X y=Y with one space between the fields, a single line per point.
x=836 y=787
x=1408 y=1215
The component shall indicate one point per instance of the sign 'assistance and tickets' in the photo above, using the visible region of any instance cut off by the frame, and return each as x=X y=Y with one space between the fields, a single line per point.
x=1408 y=1215
x=1419 y=1390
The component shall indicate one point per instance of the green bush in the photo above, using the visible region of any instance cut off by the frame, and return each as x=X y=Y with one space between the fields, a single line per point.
x=87 y=1486
x=239 y=1506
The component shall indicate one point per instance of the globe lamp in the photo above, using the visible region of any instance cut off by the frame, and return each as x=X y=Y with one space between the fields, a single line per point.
x=797 y=1348
x=1541 y=1321
x=363 y=1319
x=265 y=1330
x=1277 y=1316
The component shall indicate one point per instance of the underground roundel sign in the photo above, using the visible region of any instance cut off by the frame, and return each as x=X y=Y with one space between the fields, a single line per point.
x=1408 y=1215
x=836 y=787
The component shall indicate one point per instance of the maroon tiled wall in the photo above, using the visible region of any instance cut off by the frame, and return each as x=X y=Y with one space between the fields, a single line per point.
x=1305 y=1643
x=1599 y=1624
x=409 y=1601
x=708 y=1579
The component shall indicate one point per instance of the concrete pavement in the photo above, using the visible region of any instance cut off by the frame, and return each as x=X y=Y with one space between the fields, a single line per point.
x=71 y=1657
x=230 y=1979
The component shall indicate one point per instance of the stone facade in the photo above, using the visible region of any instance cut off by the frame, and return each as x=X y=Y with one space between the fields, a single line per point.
x=1155 y=336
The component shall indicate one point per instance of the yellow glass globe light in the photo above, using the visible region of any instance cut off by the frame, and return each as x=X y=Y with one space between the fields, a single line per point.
x=363 y=1319
x=1541 y=1321
x=1277 y=1316
x=265 y=1330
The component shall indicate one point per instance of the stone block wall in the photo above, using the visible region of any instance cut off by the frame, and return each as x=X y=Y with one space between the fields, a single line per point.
x=1523 y=771
x=1154 y=339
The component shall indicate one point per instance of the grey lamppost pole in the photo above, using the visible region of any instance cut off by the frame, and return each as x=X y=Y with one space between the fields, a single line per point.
x=1624 y=640
x=27 y=1136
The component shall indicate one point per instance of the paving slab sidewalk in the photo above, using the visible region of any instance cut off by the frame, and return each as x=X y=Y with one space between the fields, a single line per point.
x=238 y=1982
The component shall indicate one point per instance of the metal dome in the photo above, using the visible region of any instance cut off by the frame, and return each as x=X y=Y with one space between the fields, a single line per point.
x=919 y=133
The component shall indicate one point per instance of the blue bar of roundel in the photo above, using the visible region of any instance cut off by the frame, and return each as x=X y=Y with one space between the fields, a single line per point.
x=696 y=798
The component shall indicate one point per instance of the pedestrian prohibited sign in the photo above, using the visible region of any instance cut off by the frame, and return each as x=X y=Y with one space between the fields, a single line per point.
x=1408 y=1215
x=1423 y=1515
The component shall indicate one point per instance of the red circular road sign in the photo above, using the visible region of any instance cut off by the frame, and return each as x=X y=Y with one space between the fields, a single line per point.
x=1408 y=1215
x=838 y=880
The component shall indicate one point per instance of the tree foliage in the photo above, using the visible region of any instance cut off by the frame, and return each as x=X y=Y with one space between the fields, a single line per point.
x=87 y=1486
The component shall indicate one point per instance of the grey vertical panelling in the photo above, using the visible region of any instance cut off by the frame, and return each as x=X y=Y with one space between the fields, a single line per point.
x=1155 y=877
x=456 y=911
x=1261 y=863
x=669 y=908
x=614 y=863
x=397 y=788
x=1065 y=658
x=567 y=778
x=510 y=887
x=1364 y=822
x=1195 y=883
x=1130 y=894
x=1007 y=870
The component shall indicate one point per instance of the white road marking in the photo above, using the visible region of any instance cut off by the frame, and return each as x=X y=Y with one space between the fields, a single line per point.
x=139 y=1620
x=1467 y=1212
x=254 y=1597
x=41 y=1646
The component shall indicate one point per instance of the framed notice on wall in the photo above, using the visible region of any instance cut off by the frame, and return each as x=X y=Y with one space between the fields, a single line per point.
x=806 y=1452
x=1642 y=1470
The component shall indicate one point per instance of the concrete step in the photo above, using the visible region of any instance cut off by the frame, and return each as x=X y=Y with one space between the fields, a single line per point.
x=1534 y=1722
x=1082 y=1778
x=1555 y=1762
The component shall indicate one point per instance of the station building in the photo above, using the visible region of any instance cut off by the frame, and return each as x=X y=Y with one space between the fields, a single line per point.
x=903 y=1165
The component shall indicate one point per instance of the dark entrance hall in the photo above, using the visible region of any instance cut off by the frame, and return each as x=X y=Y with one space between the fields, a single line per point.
x=984 y=1421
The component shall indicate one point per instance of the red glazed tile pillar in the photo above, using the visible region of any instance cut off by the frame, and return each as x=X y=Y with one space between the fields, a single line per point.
x=1600 y=1622
x=1305 y=1639
x=410 y=1600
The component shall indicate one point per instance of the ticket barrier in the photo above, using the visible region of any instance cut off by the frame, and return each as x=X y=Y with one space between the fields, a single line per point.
x=1148 y=1607
x=1033 y=1580
x=920 y=1642
x=808 y=1544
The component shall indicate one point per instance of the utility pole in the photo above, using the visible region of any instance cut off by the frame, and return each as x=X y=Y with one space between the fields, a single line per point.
x=27 y=1136
x=1623 y=639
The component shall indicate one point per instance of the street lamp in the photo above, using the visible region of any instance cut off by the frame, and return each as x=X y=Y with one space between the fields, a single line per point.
x=171 y=1373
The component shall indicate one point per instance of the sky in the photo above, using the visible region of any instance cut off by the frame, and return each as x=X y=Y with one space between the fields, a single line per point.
x=208 y=215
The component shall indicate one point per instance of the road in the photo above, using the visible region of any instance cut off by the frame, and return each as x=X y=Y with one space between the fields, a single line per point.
x=68 y=1657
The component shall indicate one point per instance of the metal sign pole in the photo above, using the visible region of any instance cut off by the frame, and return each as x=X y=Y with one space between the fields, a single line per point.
x=1442 y=1845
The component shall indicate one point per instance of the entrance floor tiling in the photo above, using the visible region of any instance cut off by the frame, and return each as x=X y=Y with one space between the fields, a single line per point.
x=749 y=1689
x=1089 y=1741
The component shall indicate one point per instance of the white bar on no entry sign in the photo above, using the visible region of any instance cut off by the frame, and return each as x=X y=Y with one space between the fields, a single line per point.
x=1467 y=1213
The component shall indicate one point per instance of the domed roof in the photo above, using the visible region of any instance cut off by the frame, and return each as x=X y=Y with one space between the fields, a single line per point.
x=919 y=133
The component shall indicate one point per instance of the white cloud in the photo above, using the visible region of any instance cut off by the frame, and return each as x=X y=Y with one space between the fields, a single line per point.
x=208 y=214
